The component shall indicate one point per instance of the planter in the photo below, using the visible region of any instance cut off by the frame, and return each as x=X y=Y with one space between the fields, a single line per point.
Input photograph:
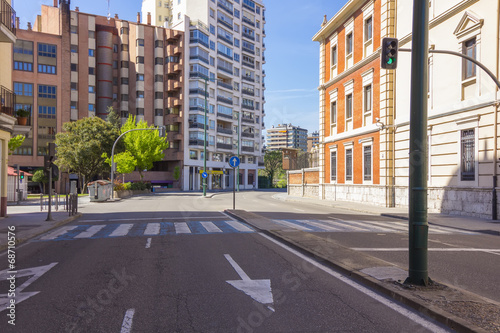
x=22 y=121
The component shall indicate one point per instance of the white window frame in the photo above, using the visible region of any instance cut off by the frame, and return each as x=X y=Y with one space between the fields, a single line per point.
x=367 y=142
x=349 y=29
x=333 y=149
x=367 y=78
x=368 y=12
x=348 y=90
x=334 y=44
x=333 y=125
x=348 y=145
x=466 y=124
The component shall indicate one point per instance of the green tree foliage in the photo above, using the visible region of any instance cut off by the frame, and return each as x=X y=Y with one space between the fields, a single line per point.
x=113 y=117
x=145 y=146
x=273 y=163
x=125 y=162
x=177 y=173
x=15 y=142
x=40 y=177
x=81 y=144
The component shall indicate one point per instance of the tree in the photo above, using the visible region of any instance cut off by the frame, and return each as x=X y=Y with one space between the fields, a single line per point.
x=81 y=144
x=15 y=142
x=125 y=162
x=113 y=117
x=41 y=178
x=145 y=146
x=273 y=163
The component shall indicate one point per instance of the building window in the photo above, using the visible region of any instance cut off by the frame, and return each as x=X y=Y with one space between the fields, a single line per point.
x=348 y=106
x=158 y=78
x=468 y=163
x=193 y=155
x=348 y=164
x=139 y=111
x=23 y=66
x=91 y=89
x=139 y=77
x=124 y=80
x=139 y=60
x=367 y=163
x=158 y=95
x=91 y=34
x=91 y=70
x=115 y=48
x=333 y=112
x=92 y=107
x=368 y=29
x=74 y=29
x=348 y=42
x=47 y=91
x=334 y=56
x=47 y=69
x=139 y=94
x=158 y=61
x=124 y=31
x=47 y=50
x=124 y=47
x=333 y=165
x=124 y=64
x=74 y=67
x=159 y=43
x=124 y=97
x=91 y=53
x=23 y=89
x=140 y=42
x=367 y=103
x=48 y=112
x=469 y=49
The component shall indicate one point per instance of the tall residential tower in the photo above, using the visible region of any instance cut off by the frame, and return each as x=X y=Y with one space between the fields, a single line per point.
x=226 y=53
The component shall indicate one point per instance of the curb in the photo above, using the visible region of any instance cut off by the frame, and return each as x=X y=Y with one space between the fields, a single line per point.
x=450 y=320
x=58 y=224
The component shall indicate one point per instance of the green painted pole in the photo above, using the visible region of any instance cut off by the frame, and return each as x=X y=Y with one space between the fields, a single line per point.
x=418 y=225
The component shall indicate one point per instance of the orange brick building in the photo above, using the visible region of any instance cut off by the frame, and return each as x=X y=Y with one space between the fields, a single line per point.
x=351 y=97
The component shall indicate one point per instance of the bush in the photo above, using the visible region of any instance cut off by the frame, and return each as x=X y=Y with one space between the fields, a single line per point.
x=141 y=186
x=281 y=183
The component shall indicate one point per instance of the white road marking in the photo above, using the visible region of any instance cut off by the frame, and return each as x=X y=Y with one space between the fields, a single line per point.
x=239 y=226
x=150 y=219
x=57 y=233
x=152 y=229
x=237 y=268
x=300 y=210
x=148 y=243
x=210 y=227
x=127 y=321
x=182 y=228
x=434 y=249
x=320 y=225
x=292 y=225
x=90 y=231
x=122 y=230
x=390 y=304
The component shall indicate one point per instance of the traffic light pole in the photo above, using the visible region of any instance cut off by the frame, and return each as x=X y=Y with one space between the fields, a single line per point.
x=418 y=225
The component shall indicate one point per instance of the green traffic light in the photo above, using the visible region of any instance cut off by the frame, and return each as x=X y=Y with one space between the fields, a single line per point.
x=390 y=61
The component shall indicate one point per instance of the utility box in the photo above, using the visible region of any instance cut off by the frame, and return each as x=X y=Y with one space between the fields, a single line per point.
x=100 y=190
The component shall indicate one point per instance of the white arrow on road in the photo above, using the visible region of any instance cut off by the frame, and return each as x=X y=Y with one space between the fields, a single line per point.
x=259 y=290
x=34 y=272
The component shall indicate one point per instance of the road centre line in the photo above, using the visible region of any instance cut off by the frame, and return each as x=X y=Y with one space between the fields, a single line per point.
x=445 y=249
x=387 y=302
x=127 y=321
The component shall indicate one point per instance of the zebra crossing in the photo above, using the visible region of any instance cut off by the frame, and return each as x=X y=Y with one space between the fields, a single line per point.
x=338 y=225
x=145 y=229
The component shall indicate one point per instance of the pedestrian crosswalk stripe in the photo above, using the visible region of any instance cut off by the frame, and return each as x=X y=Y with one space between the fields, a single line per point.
x=292 y=225
x=90 y=231
x=239 y=226
x=58 y=232
x=152 y=229
x=210 y=227
x=122 y=230
x=182 y=228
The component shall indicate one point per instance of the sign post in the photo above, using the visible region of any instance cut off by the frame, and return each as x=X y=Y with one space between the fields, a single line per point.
x=234 y=162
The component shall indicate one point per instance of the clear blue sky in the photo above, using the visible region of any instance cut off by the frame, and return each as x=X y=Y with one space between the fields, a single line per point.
x=292 y=58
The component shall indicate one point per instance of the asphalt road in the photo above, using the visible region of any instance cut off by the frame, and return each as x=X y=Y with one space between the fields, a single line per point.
x=177 y=264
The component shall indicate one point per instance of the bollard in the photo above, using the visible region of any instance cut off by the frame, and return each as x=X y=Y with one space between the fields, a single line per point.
x=57 y=201
x=41 y=201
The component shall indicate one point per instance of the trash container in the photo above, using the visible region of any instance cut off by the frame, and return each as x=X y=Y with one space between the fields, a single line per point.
x=100 y=190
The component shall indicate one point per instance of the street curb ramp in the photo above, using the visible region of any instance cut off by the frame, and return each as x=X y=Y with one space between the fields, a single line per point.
x=350 y=263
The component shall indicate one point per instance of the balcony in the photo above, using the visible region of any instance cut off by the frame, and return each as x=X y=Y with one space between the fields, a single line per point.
x=226 y=24
x=248 y=92
x=246 y=6
x=7 y=101
x=224 y=38
x=224 y=69
x=7 y=23
x=247 y=135
x=248 y=149
x=247 y=78
x=248 y=64
x=196 y=142
x=223 y=115
x=248 y=21
x=248 y=107
x=226 y=6
x=224 y=146
x=224 y=85
x=197 y=125
x=224 y=130
x=248 y=36
x=247 y=120
x=224 y=100
x=173 y=101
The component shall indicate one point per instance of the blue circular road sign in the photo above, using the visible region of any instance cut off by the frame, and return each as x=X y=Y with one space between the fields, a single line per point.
x=204 y=174
x=234 y=161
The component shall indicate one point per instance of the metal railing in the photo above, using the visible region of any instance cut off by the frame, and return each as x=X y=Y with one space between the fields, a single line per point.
x=8 y=16
x=7 y=101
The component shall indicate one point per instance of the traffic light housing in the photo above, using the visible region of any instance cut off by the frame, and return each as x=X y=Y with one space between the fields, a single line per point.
x=21 y=175
x=389 y=55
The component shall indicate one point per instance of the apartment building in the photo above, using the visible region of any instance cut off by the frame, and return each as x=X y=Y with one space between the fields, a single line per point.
x=286 y=136
x=312 y=140
x=226 y=53
x=72 y=65
x=463 y=107
x=8 y=124
x=351 y=95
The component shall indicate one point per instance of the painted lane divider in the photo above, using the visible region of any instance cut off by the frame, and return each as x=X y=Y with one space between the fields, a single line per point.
x=127 y=321
x=259 y=290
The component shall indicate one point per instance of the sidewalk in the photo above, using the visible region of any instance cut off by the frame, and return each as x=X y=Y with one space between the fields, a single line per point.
x=453 y=221
x=452 y=306
x=30 y=222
